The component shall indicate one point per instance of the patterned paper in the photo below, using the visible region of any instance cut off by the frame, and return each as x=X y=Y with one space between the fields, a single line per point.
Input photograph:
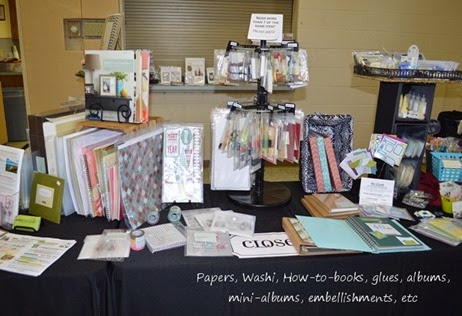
x=316 y=164
x=140 y=167
x=324 y=165
x=339 y=127
x=333 y=166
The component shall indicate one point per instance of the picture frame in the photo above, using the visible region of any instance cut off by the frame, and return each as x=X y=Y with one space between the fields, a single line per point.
x=107 y=85
x=194 y=71
x=210 y=75
x=170 y=75
x=2 y=12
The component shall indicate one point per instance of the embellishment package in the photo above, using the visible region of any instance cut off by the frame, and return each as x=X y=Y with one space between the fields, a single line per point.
x=182 y=180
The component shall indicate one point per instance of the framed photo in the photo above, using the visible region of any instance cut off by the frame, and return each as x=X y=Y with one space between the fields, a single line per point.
x=170 y=75
x=210 y=75
x=194 y=71
x=107 y=85
x=2 y=12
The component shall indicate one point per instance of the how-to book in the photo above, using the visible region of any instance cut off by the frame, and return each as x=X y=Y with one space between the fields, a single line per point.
x=331 y=205
x=302 y=241
x=366 y=234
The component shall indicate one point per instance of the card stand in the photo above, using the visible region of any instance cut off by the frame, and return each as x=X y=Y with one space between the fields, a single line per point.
x=262 y=194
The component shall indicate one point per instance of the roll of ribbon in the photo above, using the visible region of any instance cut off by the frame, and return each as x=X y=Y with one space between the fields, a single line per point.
x=174 y=214
x=137 y=241
x=153 y=217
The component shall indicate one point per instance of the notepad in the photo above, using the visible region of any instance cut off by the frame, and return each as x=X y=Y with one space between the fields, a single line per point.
x=163 y=237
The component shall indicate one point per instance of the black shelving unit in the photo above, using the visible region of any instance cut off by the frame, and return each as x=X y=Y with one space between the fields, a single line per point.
x=387 y=121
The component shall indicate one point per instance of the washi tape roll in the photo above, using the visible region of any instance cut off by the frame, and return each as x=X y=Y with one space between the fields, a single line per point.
x=137 y=241
x=174 y=214
x=153 y=217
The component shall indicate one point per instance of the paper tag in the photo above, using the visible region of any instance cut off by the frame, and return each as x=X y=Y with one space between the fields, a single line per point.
x=451 y=164
x=265 y=27
x=205 y=237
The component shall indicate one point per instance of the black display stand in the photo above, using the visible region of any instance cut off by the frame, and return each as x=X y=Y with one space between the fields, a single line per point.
x=387 y=121
x=262 y=194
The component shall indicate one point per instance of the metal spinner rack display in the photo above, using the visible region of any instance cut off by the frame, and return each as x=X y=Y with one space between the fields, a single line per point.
x=262 y=194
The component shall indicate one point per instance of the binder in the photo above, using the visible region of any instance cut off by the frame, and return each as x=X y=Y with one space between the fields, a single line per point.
x=70 y=167
x=366 y=234
x=54 y=128
x=81 y=148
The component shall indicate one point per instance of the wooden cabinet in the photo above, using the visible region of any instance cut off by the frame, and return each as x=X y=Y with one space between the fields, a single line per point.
x=390 y=120
x=3 y=131
x=13 y=19
x=11 y=81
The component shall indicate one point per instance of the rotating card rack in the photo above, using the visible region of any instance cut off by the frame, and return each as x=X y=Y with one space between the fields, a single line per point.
x=262 y=193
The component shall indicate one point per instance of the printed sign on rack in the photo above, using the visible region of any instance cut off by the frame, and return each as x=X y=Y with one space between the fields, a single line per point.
x=266 y=27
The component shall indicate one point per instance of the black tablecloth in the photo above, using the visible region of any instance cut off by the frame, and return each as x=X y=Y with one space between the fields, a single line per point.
x=168 y=283
x=69 y=286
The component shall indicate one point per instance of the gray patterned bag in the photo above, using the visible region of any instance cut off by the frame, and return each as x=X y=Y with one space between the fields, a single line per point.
x=337 y=126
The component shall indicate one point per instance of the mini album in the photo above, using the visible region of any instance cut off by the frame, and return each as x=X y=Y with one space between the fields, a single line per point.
x=46 y=197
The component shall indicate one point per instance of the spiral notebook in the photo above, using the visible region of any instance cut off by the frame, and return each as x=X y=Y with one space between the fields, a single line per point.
x=367 y=234
x=163 y=237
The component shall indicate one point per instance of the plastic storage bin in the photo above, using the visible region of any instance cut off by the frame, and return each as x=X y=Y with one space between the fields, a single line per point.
x=446 y=174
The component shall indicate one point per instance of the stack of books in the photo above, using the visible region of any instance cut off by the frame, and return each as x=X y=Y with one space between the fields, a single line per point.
x=331 y=205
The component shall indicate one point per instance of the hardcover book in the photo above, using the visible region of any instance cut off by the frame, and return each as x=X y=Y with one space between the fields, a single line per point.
x=336 y=202
x=302 y=241
x=317 y=209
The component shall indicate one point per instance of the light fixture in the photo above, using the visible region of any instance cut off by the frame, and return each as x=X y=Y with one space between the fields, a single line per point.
x=92 y=63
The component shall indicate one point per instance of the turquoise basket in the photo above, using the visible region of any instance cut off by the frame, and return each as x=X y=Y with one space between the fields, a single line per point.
x=446 y=174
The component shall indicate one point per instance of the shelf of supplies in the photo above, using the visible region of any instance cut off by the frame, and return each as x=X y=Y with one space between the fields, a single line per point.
x=213 y=88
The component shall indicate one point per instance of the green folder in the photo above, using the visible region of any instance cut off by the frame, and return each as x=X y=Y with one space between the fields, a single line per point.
x=46 y=197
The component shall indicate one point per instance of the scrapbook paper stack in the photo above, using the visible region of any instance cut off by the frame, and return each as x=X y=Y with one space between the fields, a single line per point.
x=332 y=205
x=325 y=164
x=140 y=171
